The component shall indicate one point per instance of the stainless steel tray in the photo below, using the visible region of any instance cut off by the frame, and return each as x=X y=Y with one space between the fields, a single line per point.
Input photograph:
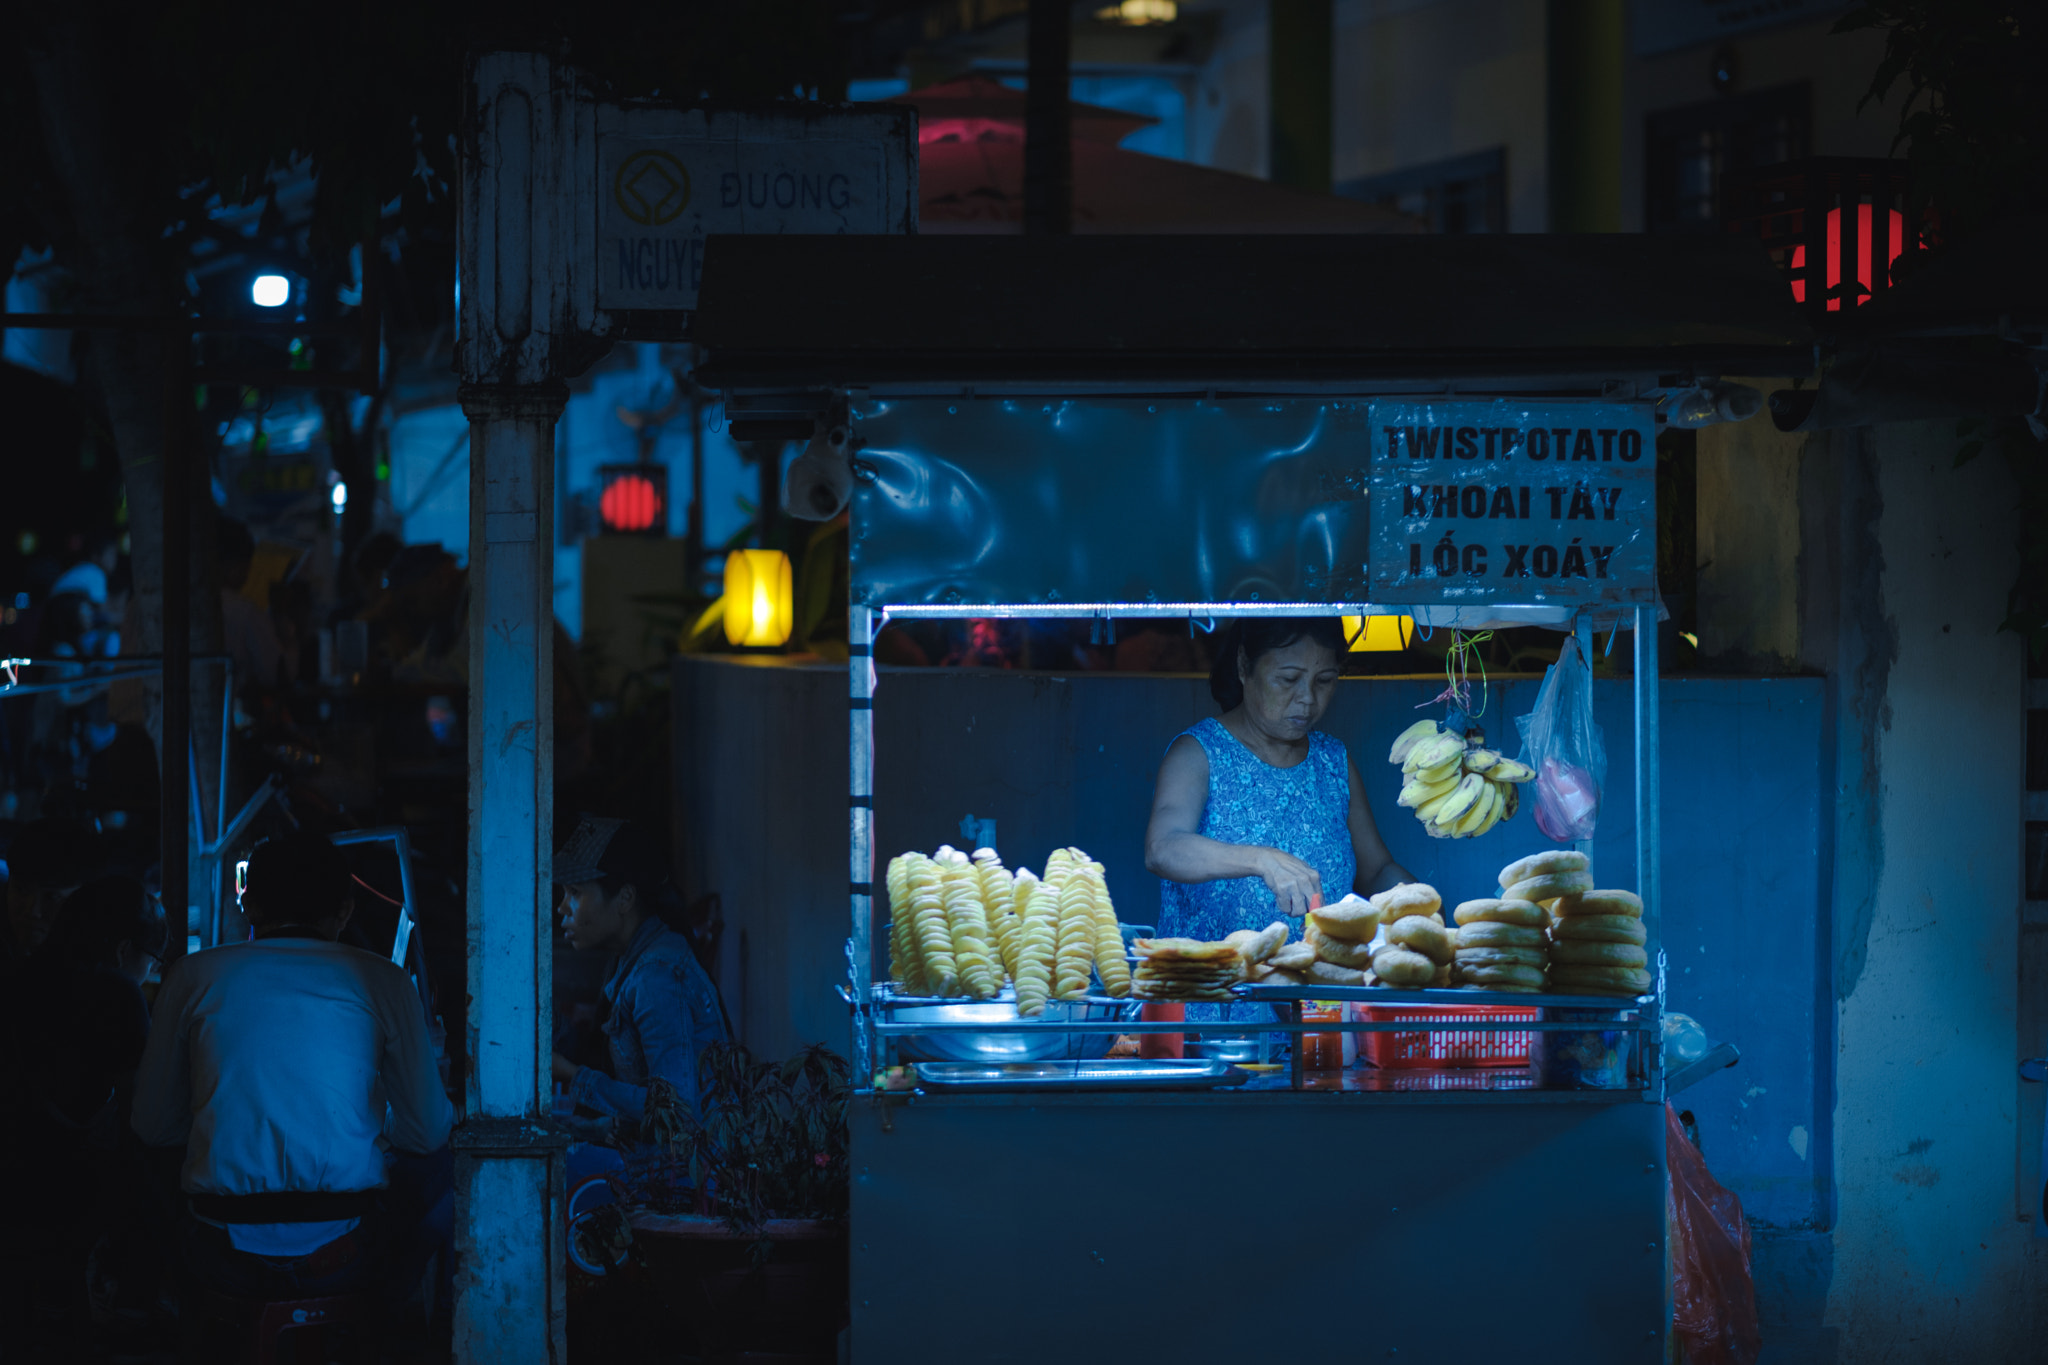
x=1104 y=1075
x=995 y=1045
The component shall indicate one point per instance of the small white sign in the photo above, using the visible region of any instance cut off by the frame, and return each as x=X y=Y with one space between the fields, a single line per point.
x=659 y=196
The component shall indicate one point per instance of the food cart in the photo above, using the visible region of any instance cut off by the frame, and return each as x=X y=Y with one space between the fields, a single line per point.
x=1057 y=430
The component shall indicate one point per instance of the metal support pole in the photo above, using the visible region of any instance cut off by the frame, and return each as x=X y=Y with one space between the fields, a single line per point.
x=860 y=716
x=1582 y=631
x=510 y=1304
x=1649 y=829
x=175 y=730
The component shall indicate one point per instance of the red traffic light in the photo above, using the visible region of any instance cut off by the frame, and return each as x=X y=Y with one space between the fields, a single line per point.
x=634 y=500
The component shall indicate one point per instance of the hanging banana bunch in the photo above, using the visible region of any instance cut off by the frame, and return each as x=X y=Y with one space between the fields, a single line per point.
x=1457 y=787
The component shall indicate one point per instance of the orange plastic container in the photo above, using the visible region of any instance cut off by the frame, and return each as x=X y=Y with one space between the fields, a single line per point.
x=1431 y=1049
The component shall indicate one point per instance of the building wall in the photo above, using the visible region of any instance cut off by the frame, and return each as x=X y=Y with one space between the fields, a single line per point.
x=1420 y=81
x=1228 y=118
x=1749 y=541
x=1426 y=80
x=1932 y=1261
x=1837 y=66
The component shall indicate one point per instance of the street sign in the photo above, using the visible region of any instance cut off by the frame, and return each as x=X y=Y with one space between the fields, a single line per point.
x=1508 y=503
x=667 y=179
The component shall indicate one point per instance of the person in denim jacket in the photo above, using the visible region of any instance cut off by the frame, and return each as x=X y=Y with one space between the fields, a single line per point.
x=664 y=1009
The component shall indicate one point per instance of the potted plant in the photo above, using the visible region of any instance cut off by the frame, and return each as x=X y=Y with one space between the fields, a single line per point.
x=734 y=1226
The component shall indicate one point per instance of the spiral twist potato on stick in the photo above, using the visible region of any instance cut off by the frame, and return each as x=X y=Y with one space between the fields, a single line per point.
x=976 y=958
x=1109 y=941
x=998 y=893
x=1037 y=942
x=906 y=967
x=1076 y=939
x=934 y=939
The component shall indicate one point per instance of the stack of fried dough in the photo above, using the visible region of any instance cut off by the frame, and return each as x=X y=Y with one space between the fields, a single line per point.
x=1412 y=947
x=1598 y=945
x=1256 y=948
x=1501 y=946
x=1185 y=969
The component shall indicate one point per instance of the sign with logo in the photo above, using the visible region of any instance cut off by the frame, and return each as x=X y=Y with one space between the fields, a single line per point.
x=662 y=190
x=1521 y=504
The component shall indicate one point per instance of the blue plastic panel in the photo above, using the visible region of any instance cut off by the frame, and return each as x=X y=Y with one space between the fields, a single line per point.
x=1110 y=500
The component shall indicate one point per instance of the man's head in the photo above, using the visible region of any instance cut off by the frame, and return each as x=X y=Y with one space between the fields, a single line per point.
x=299 y=878
x=611 y=872
x=46 y=861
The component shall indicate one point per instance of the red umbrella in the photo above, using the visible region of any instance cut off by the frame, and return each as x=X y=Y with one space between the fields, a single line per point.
x=971 y=176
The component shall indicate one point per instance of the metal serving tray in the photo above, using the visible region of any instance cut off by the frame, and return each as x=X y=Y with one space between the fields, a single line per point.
x=1119 y=1075
x=997 y=1045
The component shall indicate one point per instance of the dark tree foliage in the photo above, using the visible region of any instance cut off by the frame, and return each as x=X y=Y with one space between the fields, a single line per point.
x=217 y=97
x=1974 y=120
x=1974 y=124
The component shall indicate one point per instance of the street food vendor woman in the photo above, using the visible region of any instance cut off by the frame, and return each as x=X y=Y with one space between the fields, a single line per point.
x=1257 y=811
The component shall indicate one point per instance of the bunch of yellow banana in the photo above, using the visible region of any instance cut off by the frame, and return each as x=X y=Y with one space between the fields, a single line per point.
x=1456 y=786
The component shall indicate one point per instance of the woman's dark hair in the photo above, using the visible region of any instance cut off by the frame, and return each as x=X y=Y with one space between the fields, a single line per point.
x=102 y=915
x=1257 y=636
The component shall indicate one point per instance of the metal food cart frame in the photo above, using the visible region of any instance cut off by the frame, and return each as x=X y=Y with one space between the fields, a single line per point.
x=1641 y=1015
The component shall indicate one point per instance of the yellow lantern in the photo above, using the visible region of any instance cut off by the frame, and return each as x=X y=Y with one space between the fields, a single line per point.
x=757 y=597
x=1380 y=633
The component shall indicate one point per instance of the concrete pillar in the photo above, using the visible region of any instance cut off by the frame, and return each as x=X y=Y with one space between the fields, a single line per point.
x=510 y=1281
x=1583 y=46
x=524 y=163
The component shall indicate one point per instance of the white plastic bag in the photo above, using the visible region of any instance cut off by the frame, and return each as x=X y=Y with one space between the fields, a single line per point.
x=1562 y=742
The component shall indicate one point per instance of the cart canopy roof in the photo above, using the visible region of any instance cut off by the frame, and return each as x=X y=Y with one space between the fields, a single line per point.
x=1368 y=313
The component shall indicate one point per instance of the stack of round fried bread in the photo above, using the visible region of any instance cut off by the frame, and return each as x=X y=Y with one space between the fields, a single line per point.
x=1185 y=969
x=1501 y=946
x=1412 y=947
x=1598 y=945
x=1546 y=877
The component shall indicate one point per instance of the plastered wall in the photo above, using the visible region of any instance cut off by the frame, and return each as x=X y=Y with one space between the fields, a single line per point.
x=1931 y=1259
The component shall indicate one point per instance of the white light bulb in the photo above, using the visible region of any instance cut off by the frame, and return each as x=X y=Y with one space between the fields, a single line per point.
x=271 y=291
x=340 y=496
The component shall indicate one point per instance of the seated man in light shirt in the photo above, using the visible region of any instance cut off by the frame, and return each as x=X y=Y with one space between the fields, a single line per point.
x=286 y=1066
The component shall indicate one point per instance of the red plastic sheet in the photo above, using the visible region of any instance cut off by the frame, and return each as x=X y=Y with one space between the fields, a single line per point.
x=1713 y=1299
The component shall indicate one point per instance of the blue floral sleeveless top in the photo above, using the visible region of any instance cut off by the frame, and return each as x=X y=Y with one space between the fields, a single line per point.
x=1301 y=810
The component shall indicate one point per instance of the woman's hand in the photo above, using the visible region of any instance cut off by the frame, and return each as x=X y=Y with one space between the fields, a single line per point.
x=1291 y=881
x=564 y=1069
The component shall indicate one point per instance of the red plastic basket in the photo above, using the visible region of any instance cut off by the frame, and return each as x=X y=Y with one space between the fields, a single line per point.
x=1432 y=1049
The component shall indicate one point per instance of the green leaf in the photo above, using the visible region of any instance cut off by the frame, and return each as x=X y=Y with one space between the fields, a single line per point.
x=712 y=615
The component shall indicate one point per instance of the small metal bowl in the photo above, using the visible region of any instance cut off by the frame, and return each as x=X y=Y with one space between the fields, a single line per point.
x=998 y=1047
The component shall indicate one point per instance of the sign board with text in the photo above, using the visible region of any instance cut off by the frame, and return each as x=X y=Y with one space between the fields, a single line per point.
x=667 y=179
x=1508 y=503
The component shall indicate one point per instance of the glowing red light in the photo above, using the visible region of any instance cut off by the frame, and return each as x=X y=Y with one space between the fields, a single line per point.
x=630 y=503
x=1895 y=246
